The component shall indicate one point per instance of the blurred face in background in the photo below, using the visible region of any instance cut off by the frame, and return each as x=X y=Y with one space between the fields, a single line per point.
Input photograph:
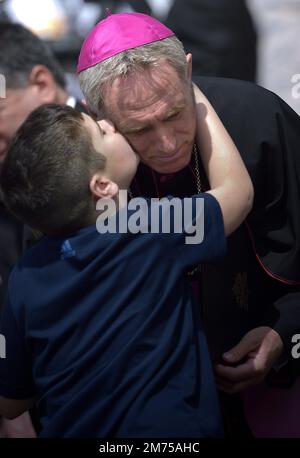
x=40 y=89
x=14 y=109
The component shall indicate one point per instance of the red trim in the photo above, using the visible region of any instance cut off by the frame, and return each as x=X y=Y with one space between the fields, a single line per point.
x=268 y=272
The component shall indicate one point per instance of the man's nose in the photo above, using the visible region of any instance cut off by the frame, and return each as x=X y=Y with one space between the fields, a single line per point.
x=166 y=141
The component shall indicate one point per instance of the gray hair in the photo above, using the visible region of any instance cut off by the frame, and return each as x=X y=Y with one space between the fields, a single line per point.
x=94 y=79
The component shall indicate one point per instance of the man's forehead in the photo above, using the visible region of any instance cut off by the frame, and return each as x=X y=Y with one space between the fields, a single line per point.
x=141 y=92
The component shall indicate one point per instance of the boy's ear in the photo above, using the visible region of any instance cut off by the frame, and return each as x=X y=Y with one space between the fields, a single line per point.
x=189 y=59
x=102 y=187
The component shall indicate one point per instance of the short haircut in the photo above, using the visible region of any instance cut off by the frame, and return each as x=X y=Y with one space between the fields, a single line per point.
x=20 y=51
x=96 y=79
x=46 y=174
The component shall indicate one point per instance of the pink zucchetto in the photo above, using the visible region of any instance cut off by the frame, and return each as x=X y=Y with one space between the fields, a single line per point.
x=117 y=33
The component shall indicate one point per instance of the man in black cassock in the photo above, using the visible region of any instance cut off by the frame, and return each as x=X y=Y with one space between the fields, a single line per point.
x=257 y=286
x=250 y=302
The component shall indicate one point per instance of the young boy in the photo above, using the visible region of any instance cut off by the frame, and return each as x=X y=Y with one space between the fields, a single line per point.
x=101 y=330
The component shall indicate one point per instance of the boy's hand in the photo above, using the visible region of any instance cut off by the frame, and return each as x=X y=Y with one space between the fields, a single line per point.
x=249 y=361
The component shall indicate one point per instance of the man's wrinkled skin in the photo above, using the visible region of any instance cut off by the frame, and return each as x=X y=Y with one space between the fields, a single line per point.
x=155 y=111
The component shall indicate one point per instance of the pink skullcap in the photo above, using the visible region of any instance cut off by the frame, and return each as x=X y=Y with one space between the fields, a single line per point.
x=117 y=33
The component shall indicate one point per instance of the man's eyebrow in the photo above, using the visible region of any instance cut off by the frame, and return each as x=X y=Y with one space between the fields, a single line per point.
x=133 y=129
x=175 y=110
x=138 y=128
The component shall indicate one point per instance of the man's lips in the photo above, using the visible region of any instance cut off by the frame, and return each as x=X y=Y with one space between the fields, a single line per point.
x=170 y=157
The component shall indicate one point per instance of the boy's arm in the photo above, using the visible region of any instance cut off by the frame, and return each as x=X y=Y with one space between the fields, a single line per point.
x=227 y=175
x=12 y=408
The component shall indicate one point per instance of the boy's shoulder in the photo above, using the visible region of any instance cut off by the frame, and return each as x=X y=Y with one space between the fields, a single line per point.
x=39 y=256
x=34 y=257
x=38 y=252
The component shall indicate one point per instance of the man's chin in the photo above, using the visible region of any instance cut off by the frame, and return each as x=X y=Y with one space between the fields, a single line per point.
x=171 y=166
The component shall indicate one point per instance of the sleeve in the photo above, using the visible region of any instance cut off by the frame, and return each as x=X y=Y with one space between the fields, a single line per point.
x=197 y=229
x=277 y=305
x=269 y=145
x=284 y=317
x=288 y=321
x=16 y=380
x=274 y=222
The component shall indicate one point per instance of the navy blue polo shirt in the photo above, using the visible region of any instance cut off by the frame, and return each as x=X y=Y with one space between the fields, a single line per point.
x=103 y=331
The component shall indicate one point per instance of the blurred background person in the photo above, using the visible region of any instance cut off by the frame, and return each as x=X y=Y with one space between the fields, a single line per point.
x=278 y=25
x=220 y=34
x=33 y=77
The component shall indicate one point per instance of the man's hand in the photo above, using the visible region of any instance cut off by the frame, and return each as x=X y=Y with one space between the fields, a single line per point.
x=20 y=427
x=249 y=361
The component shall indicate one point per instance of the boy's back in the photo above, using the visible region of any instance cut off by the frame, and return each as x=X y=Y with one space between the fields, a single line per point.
x=115 y=343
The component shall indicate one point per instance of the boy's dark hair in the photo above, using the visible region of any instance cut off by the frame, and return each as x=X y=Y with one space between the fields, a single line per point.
x=46 y=174
x=20 y=51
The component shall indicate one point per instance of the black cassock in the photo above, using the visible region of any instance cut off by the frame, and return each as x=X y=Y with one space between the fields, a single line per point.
x=259 y=281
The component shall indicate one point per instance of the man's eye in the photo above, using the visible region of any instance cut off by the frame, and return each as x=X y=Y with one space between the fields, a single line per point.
x=173 y=116
x=140 y=131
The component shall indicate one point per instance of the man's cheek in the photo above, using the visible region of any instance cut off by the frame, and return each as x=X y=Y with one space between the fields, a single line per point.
x=140 y=146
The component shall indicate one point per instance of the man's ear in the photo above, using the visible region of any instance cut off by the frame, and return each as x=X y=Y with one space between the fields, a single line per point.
x=102 y=187
x=189 y=59
x=44 y=84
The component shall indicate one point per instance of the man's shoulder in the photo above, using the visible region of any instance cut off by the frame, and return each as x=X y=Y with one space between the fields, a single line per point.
x=214 y=83
x=222 y=91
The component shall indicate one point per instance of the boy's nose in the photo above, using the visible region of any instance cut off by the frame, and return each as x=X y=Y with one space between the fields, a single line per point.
x=106 y=126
